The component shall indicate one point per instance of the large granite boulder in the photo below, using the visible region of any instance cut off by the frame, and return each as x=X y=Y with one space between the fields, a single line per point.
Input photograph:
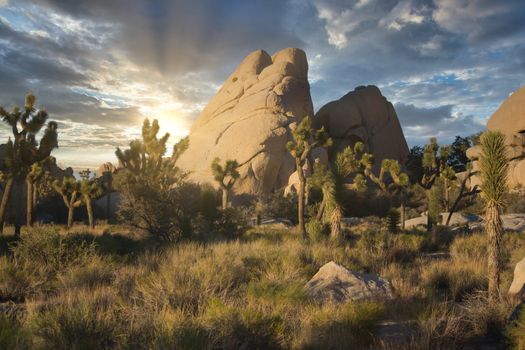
x=335 y=284
x=509 y=119
x=517 y=288
x=364 y=115
x=248 y=121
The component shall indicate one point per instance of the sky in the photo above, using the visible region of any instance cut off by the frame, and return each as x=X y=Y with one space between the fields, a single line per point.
x=100 y=67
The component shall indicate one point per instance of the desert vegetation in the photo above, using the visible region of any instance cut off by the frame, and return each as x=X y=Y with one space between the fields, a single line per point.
x=184 y=265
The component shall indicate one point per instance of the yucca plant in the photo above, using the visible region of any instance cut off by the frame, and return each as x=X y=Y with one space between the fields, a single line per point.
x=305 y=139
x=334 y=182
x=494 y=171
x=90 y=189
x=69 y=190
x=225 y=175
x=23 y=150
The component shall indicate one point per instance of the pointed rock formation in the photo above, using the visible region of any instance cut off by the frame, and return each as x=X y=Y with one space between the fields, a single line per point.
x=247 y=120
x=509 y=119
x=364 y=115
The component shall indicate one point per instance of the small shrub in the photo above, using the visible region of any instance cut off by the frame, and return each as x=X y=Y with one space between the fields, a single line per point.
x=231 y=222
x=316 y=230
x=52 y=251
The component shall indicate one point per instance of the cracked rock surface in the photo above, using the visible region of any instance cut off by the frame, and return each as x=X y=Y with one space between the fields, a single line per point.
x=248 y=121
x=364 y=115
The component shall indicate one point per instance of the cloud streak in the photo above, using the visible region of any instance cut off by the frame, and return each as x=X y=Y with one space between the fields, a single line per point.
x=100 y=67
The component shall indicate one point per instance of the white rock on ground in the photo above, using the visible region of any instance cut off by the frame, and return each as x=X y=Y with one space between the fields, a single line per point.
x=517 y=286
x=335 y=284
x=456 y=220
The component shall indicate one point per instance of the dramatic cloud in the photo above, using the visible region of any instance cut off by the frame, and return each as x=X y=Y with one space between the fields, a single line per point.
x=99 y=67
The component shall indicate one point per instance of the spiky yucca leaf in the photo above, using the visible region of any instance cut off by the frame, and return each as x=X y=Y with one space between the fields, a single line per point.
x=494 y=167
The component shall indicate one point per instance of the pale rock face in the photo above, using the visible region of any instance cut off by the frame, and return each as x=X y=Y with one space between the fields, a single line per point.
x=248 y=121
x=335 y=284
x=364 y=115
x=509 y=119
x=518 y=283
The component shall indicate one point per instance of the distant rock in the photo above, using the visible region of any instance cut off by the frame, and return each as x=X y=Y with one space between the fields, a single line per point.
x=518 y=283
x=335 y=284
x=248 y=120
x=457 y=219
x=511 y=222
x=509 y=119
x=364 y=115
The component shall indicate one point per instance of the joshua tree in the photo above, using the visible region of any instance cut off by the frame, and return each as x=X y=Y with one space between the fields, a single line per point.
x=463 y=192
x=392 y=185
x=494 y=172
x=24 y=151
x=69 y=189
x=434 y=163
x=151 y=184
x=305 y=139
x=35 y=173
x=334 y=183
x=89 y=189
x=107 y=186
x=225 y=176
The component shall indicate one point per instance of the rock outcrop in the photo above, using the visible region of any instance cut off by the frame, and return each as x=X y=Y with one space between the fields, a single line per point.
x=248 y=120
x=335 y=284
x=517 y=288
x=509 y=119
x=364 y=115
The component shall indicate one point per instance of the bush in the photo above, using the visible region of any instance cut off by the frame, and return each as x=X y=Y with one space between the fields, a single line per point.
x=336 y=327
x=277 y=205
x=231 y=222
x=317 y=232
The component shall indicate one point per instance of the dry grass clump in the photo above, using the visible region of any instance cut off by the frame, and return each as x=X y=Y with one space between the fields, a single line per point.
x=340 y=326
x=453 y=279
x=515 y=331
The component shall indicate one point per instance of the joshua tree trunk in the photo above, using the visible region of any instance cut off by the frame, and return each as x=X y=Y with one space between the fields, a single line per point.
x=108 y=207
x=403 y=215
x=19 y=189
x=494 y=228
x=70 y=208
x=5 y=200
x=300 y=199
x=70 y=212
x=224 y=198
x=35 y=196
x=335 y=222
x=89 y=207
x=29 y=204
